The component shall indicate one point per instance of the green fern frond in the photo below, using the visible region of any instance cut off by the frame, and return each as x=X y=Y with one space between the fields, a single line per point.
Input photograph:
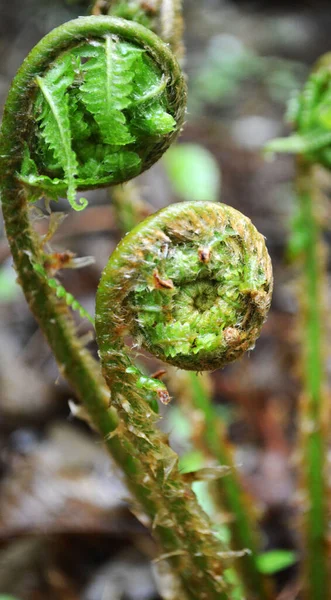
x=38 y=186
x=310 y=98
x=107 y=87
x=28 y=166
x=122 y=162
x=154 y=120
x=80 y=128
x=101 y=114
x=149 y=115
x=54 y=121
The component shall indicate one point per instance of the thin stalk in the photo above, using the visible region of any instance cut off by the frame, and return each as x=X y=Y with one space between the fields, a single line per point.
x=171 y=25
x=229 y=490
x=314 y=400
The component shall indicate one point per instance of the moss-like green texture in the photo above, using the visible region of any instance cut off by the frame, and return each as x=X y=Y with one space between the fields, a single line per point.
x=195 y=283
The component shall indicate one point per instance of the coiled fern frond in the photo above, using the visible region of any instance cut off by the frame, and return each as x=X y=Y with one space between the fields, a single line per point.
x=101 y=111
x=193 y=283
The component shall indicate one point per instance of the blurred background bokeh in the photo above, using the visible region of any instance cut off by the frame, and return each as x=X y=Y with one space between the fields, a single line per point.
x=66 y=528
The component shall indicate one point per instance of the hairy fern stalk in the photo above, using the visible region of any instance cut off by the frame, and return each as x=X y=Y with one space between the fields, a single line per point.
x=173 y=282
x=96 y=102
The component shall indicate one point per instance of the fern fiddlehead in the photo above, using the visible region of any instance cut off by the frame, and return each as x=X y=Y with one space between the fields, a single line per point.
x=309 y=114
x=193 y=284
x=50 y=103
x=104 y=99
x=197 y=292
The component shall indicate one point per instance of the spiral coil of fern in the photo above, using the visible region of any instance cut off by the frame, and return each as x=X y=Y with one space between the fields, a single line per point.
x=196 y=293
x=100 y=100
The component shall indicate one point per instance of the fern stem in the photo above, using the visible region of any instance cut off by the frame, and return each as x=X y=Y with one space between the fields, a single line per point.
x=229 y=491
x=313 y=409
x=230 y=494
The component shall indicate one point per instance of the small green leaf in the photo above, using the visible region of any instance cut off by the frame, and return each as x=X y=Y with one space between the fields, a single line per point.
x=28 y=166
x=193 y=172
x=110 y=72
x=273 y=561
x=55 y=124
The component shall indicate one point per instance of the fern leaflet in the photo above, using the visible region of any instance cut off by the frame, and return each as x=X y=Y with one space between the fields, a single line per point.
x=55 y=124
x=149 y=114
x=107 y=87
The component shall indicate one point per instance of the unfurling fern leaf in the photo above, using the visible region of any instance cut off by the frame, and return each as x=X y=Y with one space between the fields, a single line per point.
x=105 y=110
x=54 y=121
x=111 y=72
x=148 y=112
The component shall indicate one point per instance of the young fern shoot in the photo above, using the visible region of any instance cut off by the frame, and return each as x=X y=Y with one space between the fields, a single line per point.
x=193 y=285
x=96 y=102
x=310 y=115
x=103 y=111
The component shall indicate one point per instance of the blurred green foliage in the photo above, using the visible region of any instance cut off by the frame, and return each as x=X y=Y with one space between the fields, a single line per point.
x=193 y=172
x=9 y=288
x=227 y=63
x=273 y=561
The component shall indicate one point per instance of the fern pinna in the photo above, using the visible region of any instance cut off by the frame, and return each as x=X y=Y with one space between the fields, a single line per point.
x=96 y=102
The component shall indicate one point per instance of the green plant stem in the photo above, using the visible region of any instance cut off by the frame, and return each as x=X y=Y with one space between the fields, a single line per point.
x=243 y=526
x=229 y=490
x=313 y=406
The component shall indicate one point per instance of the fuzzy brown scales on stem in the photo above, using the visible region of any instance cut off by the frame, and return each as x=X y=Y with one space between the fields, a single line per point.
x=169 y=244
